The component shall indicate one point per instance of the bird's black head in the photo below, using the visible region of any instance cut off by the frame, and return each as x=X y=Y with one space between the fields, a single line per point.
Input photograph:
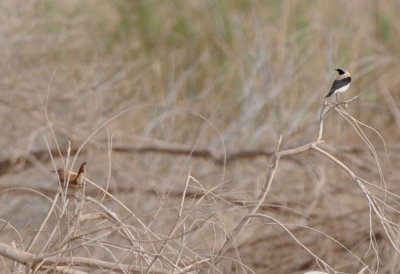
x=340 y=71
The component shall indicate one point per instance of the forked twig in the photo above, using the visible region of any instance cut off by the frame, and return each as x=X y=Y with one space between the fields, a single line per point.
x=272 y=169
x=245 y=220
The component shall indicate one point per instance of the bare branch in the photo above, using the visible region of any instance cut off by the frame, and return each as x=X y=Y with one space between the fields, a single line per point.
x=24 y=257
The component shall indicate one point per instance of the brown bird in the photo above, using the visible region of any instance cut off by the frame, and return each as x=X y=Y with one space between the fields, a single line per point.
x=75 y=179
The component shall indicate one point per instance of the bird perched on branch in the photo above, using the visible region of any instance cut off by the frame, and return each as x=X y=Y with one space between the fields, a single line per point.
x=341 y=83
x=75 y=179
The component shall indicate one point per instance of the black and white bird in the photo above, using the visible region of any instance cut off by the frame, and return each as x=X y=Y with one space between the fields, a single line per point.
x=341 y=83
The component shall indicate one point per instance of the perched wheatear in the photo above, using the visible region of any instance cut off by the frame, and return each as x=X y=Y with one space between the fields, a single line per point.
x=341 y=83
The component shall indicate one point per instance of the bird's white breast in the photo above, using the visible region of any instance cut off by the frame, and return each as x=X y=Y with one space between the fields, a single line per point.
x=343 y=89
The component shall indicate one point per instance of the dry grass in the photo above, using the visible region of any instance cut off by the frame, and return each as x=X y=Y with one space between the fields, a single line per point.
x=178 y=108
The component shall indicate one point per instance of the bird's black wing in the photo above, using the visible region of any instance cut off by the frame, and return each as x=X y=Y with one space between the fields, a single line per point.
x=337 y=84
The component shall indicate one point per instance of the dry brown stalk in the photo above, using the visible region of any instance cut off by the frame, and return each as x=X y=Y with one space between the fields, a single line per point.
x=391 y=102
x=30 y=259
x=271 y=173
x=230 y=238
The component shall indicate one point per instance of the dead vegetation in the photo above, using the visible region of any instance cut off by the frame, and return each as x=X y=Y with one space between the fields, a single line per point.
x=209 y=147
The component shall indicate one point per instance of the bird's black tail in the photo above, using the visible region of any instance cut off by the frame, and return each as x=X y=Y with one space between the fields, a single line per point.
x=81 y=169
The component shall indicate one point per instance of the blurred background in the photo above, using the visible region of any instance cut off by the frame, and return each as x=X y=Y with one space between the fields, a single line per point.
x=221 y=76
